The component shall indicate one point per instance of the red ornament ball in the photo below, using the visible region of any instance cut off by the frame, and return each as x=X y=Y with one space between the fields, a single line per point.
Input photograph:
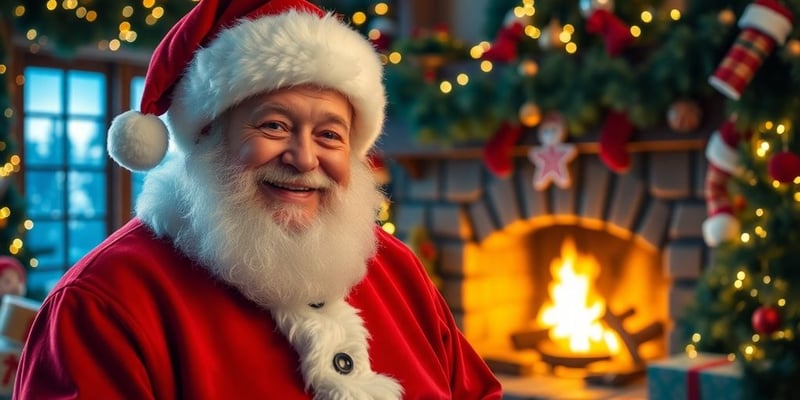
x=766 y=320
x=784 y=167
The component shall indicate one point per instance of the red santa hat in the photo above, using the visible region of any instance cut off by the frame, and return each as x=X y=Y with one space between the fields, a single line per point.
x=223 y=52
x=8 y=262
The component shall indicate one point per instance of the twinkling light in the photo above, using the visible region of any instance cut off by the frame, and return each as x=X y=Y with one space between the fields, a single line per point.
x=571 y=48
x=675 y=14
x=381 y=9
x=646 y=17
x=19 y=11
x=445 y=87
x=462 y=79
x=636 y=31
x=486 y=66
x=157 y=12
x=359 y=17
x=533 y=32
x=395 y=57
x=127 y=11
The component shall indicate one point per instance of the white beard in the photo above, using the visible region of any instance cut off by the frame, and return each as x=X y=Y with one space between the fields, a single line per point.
x=211 y=211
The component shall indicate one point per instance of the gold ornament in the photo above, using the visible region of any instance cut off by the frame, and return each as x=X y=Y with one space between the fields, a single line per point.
x=528 y=67
x=529 y=114
x=793 y=47
x=684 y=116
x=726 y=17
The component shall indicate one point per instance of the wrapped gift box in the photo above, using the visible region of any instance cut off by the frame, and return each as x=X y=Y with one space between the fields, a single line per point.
x=703 y=377
x=9 y=360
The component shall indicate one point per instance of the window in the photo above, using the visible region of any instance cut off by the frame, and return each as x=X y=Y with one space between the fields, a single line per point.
x=75 y=194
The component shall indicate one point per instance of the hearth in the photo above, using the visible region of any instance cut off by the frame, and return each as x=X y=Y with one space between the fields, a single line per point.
x=497 y=237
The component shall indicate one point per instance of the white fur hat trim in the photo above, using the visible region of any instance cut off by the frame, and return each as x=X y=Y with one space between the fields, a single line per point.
x=279 y=51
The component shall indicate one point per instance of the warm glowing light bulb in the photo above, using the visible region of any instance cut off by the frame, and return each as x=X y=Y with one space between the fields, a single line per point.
x=675 y=14
x=395 y=57
x=647 y=17
x=636 y=31
x=359 y=17
x=486 y=66
x=381 y=9
x=462 y=79
x=741 y=275
x=571 y=48
x=445 y=87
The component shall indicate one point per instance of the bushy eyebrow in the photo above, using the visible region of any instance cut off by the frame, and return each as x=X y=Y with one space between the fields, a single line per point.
x=328 y=117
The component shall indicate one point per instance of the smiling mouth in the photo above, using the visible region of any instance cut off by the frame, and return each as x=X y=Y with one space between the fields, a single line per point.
x=289 y=187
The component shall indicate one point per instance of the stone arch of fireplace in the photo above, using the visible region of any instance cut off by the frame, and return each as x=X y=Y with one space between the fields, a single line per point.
x=658 y=206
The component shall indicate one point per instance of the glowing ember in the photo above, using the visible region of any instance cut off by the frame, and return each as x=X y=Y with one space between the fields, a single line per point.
x=573 y=311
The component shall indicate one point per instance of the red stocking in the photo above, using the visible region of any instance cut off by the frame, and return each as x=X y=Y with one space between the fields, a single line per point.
x=497 y=152
x=504 y=48
x=617 y=130
x=616 y=34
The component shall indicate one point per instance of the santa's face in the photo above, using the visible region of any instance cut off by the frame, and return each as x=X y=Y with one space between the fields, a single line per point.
x=299 y=140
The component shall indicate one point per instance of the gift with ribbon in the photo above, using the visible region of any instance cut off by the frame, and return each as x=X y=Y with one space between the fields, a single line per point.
x=702 y=377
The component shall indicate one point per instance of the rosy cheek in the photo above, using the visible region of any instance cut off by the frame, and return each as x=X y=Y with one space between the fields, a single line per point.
x=254 y=153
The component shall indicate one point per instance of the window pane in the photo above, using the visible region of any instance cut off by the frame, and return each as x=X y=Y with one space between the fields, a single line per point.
x=43 y=192
x=87 y=195
x=43 y=144
x=87 y=93
x=83 y=236
x=137 y=178
x=46 y=241
x=43 y=90
x=86 y=142
x=137 y=88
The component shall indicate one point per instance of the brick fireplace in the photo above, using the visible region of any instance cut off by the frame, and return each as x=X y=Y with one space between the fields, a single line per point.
x=491 y=231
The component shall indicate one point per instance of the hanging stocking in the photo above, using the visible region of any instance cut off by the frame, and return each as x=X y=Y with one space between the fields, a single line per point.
x=614 y=136
x=497 y=151
x=616 y=35
x=504 y=47
x=723 y=161
x=764 y=24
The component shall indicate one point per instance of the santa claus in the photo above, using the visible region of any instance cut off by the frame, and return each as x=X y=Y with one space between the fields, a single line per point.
x=253 y=267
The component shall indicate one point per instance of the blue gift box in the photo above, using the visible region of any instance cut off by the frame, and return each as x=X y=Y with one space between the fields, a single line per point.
x=702 y=377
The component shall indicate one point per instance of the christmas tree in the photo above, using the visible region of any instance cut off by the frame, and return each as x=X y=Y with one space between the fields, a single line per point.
x=14 y=224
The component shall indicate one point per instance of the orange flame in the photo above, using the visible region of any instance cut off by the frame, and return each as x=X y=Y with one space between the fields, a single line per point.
x=574 y=311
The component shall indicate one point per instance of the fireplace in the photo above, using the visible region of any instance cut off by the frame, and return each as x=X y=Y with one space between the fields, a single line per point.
x=497 y=236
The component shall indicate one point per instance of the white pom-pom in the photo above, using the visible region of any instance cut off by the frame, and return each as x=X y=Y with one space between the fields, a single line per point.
x=137 y=141
x=720 y=228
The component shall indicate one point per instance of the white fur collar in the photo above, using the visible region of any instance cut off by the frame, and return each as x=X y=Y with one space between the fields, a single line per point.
x=332 y=333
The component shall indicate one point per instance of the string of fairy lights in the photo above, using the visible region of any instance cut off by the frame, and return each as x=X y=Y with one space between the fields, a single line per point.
x=7 y=170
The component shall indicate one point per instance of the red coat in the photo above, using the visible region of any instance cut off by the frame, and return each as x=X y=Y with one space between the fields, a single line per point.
x=136 y=319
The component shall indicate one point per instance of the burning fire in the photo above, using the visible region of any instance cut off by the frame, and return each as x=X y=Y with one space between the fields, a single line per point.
x=574 y=311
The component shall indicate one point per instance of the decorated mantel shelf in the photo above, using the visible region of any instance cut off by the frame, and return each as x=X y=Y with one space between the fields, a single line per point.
x=399 y=145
